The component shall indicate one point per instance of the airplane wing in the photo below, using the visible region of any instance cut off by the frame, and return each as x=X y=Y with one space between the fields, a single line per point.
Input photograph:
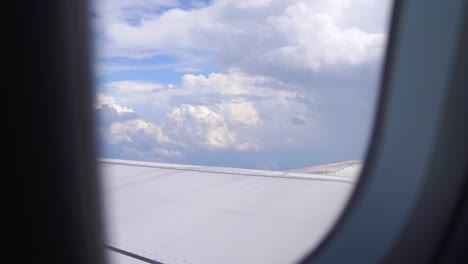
x=169 y=213
x=350 y=169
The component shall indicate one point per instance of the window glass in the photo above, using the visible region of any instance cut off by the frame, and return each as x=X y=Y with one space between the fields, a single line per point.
x=285 y=86
x=253 y=84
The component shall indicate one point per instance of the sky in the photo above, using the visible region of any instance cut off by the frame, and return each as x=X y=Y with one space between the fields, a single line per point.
x=262 y=84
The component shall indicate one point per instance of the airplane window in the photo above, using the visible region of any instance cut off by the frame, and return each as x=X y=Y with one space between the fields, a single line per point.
x=219 y=121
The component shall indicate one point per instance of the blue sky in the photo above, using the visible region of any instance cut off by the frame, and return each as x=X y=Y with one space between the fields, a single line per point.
x=266 y=84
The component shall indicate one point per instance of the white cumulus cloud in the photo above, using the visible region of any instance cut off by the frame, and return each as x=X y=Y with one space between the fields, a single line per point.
x=219 y=111
x=209 y=128
x=241 y=113
x=131 y=130
x=314 y=40
x=106 y=100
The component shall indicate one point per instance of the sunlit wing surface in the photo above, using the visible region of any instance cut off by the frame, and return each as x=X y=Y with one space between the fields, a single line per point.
x=350 y=169
x=166 y=213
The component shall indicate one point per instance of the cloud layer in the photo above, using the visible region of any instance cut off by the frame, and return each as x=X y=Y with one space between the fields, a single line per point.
x=184 y=80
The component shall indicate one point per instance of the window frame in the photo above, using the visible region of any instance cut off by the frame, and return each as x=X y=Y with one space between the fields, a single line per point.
x=417 y=143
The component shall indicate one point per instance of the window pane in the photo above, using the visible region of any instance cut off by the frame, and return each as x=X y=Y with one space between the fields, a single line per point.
x=285 y=88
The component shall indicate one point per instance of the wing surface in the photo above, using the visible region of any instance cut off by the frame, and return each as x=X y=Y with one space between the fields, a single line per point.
x=169 y=213
x=350 y=169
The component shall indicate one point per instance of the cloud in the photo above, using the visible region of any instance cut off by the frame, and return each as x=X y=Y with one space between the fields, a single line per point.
x=103 y=100
x=106 y=67
x=233 y=82
x=241 y=113
x=231 y=113
x=203 y=126
x=250 y=4
x=138 y=139
x=221 y=111
x=263 y=36
x=214 y=127
x=298 y=120
x=132 y=87
x=253 y=76
x=188 y=69
x=129 y=11
x=108 y=115
x=315 y=41
x=136 y=129
x=240 y=94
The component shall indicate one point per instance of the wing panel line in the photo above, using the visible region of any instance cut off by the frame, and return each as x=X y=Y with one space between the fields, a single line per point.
x=132 y=255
